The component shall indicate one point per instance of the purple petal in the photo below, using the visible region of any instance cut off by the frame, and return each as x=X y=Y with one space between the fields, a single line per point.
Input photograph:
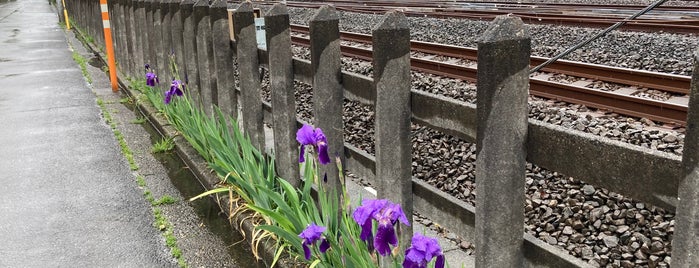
x=398 y=214
x=440 y=262
x=323 y=154
x=367 y=233
x=150 y=79
x=324 y=246
x=407 y=263
x=305 y=135
x=167 y=99
x=319 y=136
x=306 y=251
x=312 y=233
x=178 y=92
x=384 y=236
x=302 y=157
x=362 y=216
x=414 y=255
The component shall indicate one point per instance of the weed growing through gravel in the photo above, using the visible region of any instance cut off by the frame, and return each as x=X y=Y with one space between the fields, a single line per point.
x=163 y=145
x=82 y=62
x=140 y=181
x=160 y=221
x=165 y=227
x=164 y=200
x=125 y=150
x=139 y=120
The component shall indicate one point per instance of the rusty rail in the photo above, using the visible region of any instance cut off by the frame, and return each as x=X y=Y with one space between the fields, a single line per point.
x=542 y=14
x=616 y=102
x=654 y=80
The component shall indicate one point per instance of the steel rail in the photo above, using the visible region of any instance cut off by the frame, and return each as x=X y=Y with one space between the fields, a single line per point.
x=620 y=103
x=645 y=79
x=535 y=16
x=518 y=4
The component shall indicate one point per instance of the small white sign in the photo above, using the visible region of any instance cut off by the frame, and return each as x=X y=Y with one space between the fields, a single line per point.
x=260 y=33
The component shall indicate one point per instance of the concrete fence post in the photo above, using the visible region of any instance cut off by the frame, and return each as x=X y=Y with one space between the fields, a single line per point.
x=59 y=11
x=191 y=76
x=177 y=28
x=685 y=246
x=249 y=73
x=130 y=36
x=149 y=41
x=114 y=25
x=156 y=37
x=96 y=29
x=141 y=36
x=502 y=90
x=281 y=77
x=133 y=31
x=223 y=59
x=327 y=88
x=119 y=37
x=165 y=41
x=391 y=53
x=205 y=56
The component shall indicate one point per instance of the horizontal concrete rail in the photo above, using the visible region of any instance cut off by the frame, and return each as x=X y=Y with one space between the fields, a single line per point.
x=451 y=213
x=632 y=171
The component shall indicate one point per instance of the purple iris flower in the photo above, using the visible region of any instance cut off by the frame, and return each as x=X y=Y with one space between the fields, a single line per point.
x=310 y=235
x=151 y=78
x=387 y=214
x=421 y=251
x=175 y=89
x=307 y=135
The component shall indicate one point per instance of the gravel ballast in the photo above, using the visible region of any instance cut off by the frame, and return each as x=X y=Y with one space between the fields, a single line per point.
x=591 y=223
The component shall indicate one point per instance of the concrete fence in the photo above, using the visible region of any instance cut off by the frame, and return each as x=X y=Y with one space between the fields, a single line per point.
x=224 y=73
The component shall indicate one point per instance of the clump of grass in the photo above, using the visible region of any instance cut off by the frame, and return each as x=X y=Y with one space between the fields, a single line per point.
x=140 y=181
x=138 y=85
x=82 y=62
x=149 y=196
x=88 y=38
x=125 y=150
x=163 y=145
x=164 y=200
x=170 y=240
x=139 y=120
x=125 y=100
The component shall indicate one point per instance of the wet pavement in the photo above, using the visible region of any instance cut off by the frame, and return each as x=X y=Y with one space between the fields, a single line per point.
x=67 y=195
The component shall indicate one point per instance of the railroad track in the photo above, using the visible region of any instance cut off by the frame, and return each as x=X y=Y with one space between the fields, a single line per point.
x=673 y=110
x=517 y=5
x=672 y=19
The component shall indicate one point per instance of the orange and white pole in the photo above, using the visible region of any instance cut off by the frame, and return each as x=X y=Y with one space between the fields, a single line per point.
x=108 y=43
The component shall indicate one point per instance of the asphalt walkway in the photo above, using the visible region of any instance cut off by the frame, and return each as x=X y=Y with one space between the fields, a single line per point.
x=67 y=195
